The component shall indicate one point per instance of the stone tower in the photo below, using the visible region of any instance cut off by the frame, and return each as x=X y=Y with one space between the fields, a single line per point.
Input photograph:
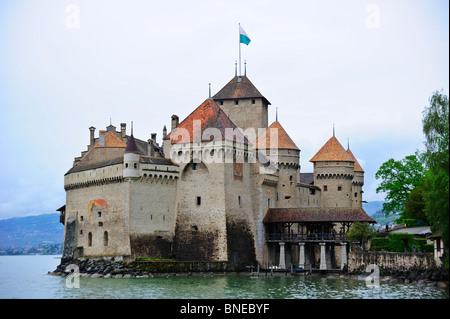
x=214 y=216
x=276 y=144
x=357 y=183
x=243 y=104
x=333 y=173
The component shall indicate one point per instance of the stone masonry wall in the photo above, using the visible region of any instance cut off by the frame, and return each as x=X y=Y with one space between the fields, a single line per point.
x=390 y=263
x=152 y=216
x=101 y=214
x=201 y=221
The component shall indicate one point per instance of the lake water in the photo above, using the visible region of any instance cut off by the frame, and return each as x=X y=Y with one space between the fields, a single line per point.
x=25 y=277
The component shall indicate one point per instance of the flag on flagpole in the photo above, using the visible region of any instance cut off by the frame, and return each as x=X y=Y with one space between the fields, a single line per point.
x=243 y=37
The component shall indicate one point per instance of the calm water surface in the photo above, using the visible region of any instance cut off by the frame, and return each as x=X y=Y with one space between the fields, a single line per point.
x=25 y=277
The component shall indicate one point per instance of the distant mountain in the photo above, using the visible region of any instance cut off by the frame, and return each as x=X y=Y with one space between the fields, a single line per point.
x=372 y=207
x=31 y=231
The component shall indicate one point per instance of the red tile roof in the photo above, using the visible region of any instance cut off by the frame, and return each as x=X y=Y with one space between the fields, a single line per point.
x=358 y=167
x=332 y=151
x=208 y=115
x=111 y=140
x=284 y=141
x=299 y=215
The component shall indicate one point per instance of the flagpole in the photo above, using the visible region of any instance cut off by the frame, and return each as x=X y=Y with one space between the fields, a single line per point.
x=239 y=49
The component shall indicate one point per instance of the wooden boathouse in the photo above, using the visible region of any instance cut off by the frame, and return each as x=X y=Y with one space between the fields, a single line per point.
x=310 y=237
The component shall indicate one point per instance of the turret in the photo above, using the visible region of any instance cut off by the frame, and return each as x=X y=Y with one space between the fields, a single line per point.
x=131 y=159
x=276 y=144
x=333 y=173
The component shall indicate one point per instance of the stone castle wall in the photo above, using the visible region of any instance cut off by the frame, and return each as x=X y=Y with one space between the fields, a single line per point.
x=337 y=177
x=246 y=113
x=100 y=213
x=152 y=216
x=200 y=230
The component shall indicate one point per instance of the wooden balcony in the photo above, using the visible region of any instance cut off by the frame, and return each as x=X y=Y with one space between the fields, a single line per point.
x=298 y=238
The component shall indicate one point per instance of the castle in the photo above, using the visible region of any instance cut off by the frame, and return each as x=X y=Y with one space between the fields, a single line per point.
x=222 y=186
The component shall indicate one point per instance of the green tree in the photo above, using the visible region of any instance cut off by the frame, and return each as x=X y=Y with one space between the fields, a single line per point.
x=398 y=179
x=415 y=205
x=360 y=232
x=436 y=157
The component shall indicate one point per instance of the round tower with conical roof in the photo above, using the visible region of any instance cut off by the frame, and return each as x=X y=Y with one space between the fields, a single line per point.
x=276 y=144
x=131 y=158
x=334 y=173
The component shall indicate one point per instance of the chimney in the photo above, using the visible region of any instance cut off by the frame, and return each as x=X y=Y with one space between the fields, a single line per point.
x=123 y=129
x=175 y=120
x=154 y=138
x=92 y=131
x=150 y=147
x=164 y=132
x=101 y=140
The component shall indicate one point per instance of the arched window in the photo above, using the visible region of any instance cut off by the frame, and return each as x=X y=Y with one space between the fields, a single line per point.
x=105 y=238
x=90 y=239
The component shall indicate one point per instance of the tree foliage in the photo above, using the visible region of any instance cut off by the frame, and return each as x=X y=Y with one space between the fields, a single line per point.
x=415 y=205
x=361 y=232
x=436 y=156
x=398 y=179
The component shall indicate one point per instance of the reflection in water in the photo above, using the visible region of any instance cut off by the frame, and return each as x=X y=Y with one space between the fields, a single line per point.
x=26 y=277
x=244 y=287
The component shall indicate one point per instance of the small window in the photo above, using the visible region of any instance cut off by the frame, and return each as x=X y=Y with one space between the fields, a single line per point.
x=356 y=194
x=239 y=201
x=99 y=214
x=253 y=101
x=194 y=166
x=277 y=197
x=100 y=224
x=105 y=238
x=290 y=178
x=325 y=188
x=194 y=227
x=221 y=102
x=90 y=239
x=236 y=102
x=339 y=188
x=135 y=165
x=268 y=202
x=287 y=197
x=81 y=218
x=199 y=200
x=312 y=192
x=126 y=165
x=81 y=232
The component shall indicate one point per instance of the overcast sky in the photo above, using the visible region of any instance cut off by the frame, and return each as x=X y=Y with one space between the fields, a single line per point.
x=368 y=67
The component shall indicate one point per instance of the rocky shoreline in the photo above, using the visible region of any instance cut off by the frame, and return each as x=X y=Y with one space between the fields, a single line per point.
x=130 y=268
x=122 y=268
